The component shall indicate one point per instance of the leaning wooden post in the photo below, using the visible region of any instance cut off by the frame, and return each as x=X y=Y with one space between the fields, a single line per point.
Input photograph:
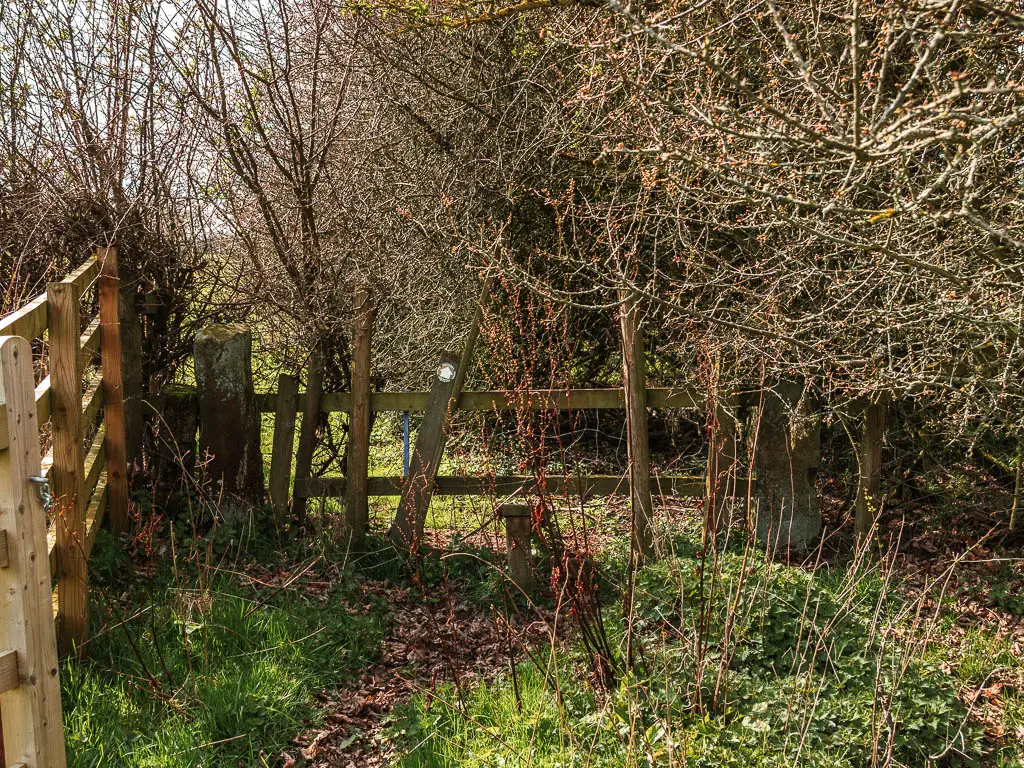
x=870 y=472
x=32 y=731
x=518 y=532
x=634 y=375
x=357 y=512
x=284 y=444
x=109 y=291
x=64 y=310
x=406 y=531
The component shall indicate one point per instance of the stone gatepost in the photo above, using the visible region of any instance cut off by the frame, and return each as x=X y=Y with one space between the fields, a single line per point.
x=788 y=455
x=229 y=419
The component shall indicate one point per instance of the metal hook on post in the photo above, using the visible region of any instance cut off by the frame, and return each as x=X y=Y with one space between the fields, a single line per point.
x=42 y=485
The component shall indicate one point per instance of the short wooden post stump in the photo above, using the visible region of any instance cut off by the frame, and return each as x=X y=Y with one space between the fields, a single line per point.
x=518 y=532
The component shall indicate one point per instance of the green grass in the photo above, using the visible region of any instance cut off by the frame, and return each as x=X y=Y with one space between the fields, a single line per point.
x=809 y=678
x=218 y=676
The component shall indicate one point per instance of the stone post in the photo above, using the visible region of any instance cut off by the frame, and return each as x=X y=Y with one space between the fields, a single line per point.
x=229 y=419
x=788 y=455
x=173 y=444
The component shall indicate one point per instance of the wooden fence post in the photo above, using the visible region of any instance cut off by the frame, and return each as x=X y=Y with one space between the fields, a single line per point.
x=634 y=374
x=518 y=532
x=284 y=444
x=307 y=435
x=406 y=531
x=356 y=506
x=109 y=291
x=64 y=309
x=32 y=728
x=721 y=473
x=870 y=472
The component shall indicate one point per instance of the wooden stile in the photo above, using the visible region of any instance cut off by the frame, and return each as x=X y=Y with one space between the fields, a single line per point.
x=64 y=300
x=284 y=443
x=356 y=507
x=113 y=389
x=634 y=374
x=445 y=394
x=31 y=713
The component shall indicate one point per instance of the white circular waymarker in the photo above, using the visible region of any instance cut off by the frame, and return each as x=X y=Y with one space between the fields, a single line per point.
x=446 y=372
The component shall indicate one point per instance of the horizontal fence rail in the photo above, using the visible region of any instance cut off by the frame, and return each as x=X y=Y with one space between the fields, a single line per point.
x=531 y=400
x=679 y=486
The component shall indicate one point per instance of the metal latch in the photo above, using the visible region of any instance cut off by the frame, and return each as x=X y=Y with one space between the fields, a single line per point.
x=42 y=485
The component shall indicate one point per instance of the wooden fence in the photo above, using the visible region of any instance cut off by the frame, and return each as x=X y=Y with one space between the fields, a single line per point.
x=55 y=503
x=438 y=406
x=445 y=397
x=286 y=411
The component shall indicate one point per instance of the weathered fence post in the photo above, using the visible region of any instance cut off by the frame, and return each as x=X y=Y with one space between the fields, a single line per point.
x=229 y=418
x=64 y=310
x=30 y=697
x=307 y=435
x=870 y=471
x=788 y=454
x=721 y=472
x=407 y=529
x=132 y=372
x=634 y=374
x=518 y=532
x=109 y=291
x=356 y=506
x=284 y=444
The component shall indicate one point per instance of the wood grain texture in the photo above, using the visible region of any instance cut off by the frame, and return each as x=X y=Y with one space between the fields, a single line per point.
x=307 y=433
x=529 y=400
x=109 y=292
x=29 y=321
x=9 y=679
x=31 y=713
x=634 y=378
x=587 y=486
x=284 y=444
x=63 y=300
x=357 y=513
x=406 y=531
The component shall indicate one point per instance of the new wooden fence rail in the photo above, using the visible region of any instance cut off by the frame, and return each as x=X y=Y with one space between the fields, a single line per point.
x=81 y=399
